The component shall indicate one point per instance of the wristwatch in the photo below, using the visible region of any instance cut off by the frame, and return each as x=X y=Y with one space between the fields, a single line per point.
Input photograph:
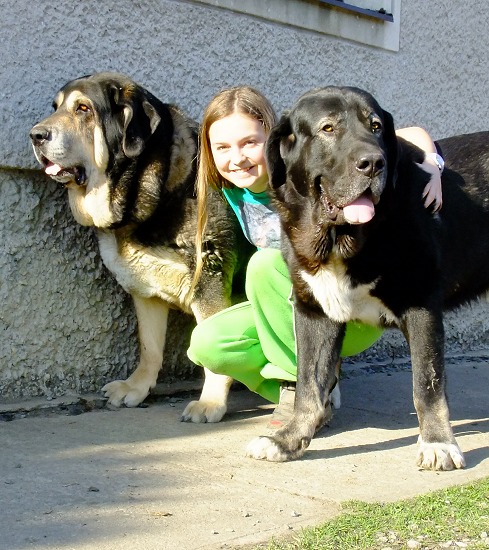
x=437 y=159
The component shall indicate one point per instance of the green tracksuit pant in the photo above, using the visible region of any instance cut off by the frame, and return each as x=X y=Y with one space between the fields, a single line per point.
x=254 y=341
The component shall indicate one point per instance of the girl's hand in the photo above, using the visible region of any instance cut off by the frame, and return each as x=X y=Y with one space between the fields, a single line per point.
x=432 y=194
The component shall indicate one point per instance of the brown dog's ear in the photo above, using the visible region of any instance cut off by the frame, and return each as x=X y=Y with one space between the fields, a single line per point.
x=276 y=148
x=390 y=140
x=140 y=120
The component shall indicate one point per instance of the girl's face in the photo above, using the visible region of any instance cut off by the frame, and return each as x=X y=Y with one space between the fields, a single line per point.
x=237 y=144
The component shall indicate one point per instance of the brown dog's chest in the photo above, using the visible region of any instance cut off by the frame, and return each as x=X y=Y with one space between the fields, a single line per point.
x=144 y=271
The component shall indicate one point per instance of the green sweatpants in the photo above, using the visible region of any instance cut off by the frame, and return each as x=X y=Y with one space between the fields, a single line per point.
x=254 y=341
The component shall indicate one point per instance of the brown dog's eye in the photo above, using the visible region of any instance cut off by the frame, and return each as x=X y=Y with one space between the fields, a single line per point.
x=328 y=128
x=375 y=126
x=83 y=108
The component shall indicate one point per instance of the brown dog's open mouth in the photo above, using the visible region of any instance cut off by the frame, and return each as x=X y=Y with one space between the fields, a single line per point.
x=62 y=174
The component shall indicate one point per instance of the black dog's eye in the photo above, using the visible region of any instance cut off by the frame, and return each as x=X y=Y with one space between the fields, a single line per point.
x=328 y=128
x=83 y=108
x=375 y=126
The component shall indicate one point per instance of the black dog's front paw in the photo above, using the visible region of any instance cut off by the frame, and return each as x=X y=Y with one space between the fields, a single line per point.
x=439 y=456
x=276 y=449
x=291 y=441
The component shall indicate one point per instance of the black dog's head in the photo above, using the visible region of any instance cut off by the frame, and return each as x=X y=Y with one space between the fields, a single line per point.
x=98 y=121
x=333 y=155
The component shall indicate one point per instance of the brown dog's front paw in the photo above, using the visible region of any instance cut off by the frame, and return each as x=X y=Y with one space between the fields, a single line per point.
x=121 y=392
x=439 y=456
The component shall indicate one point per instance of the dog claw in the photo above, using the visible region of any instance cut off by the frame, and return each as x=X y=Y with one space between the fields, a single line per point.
x=202 y=411
x=264 y=448
x=440 y=456
x=120 y=392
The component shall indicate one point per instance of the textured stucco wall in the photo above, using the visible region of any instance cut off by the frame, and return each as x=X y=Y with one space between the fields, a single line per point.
x=60 y=313
x=66 y=325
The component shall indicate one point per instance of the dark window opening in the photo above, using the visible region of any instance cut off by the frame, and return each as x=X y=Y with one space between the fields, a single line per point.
x=376 y=14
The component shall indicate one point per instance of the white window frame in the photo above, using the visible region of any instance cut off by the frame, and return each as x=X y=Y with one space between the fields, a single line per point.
x=332 y=17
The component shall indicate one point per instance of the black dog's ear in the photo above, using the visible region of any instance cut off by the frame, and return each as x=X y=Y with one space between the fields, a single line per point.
x=280 y=138
x=390 y=140
x=140 y=120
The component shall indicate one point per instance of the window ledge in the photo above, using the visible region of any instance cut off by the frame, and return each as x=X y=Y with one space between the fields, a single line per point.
x=380 y=14
x=331 y=17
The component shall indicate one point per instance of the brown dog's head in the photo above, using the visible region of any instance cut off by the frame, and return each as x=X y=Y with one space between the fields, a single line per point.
x=99 y=121
x=333 y=154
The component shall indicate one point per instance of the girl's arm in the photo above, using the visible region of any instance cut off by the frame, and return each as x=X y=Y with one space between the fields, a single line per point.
x=432 y=192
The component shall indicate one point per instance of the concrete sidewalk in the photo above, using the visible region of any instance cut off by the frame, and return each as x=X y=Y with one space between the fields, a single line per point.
x=139 y=478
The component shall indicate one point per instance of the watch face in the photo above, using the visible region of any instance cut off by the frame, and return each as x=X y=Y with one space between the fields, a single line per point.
x=439 y=162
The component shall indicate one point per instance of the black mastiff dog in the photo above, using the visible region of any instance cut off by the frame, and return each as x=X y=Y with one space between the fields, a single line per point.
x=361 y=246
x=127 y=161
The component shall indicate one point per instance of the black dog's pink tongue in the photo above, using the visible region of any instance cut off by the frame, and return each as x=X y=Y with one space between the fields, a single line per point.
x=361 y=210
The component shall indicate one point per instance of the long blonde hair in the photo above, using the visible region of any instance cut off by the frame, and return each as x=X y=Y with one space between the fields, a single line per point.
x=239 y=99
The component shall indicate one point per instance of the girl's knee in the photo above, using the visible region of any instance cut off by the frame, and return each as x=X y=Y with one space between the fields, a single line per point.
x=263 y=261
x=266 y=270
x=202 y=348
x=359 y=337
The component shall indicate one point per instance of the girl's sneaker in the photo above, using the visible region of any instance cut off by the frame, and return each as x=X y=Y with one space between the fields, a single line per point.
x=285 y=407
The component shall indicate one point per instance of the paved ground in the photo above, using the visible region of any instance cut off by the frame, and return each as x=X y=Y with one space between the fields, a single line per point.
x=139 y=478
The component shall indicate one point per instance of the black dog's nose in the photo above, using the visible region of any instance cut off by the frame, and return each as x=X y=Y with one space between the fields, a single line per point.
x=371 y=165
x=40 y=134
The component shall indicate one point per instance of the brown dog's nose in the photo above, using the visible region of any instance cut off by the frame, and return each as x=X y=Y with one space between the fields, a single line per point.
x=371 y=165
x=39 y=134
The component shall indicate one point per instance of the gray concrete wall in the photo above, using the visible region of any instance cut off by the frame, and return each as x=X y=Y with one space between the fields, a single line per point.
x=66 y=325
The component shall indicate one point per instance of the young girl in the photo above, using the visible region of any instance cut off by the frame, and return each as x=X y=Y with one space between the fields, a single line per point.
x=254 y=341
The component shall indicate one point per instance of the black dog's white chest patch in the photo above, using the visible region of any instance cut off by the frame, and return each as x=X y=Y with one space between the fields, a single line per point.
x=340 y=300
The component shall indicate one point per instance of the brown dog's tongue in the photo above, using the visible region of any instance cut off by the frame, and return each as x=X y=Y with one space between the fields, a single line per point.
x=361 y=210
x=52 y=169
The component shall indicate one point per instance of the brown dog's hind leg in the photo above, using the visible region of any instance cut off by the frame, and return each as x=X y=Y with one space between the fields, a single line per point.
x=212 y=405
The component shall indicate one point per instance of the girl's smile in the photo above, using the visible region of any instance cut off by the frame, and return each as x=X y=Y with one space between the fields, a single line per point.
x=237 y=143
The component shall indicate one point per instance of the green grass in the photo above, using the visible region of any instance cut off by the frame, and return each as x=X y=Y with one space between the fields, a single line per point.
x=458 y=514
